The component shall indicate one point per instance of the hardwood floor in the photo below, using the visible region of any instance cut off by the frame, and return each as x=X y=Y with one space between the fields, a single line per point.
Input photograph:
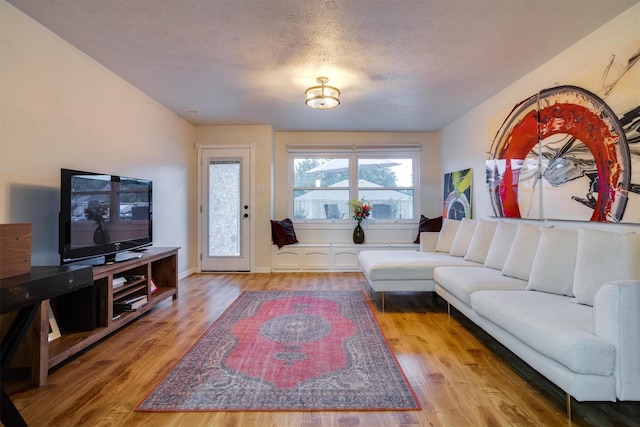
x=461 y=376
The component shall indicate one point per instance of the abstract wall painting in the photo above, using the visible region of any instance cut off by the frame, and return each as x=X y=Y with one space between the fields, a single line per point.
x=569 y=153
x=457 y=194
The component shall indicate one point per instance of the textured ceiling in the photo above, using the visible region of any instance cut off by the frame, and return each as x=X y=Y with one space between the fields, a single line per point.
x=402 y=65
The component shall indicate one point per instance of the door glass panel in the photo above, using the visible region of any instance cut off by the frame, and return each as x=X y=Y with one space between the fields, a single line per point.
x=224 y=208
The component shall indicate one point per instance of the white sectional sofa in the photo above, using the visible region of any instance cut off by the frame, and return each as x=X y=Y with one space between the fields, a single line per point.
x=567 y=302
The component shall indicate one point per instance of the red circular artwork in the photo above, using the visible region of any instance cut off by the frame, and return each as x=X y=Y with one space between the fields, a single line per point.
x=560 y=135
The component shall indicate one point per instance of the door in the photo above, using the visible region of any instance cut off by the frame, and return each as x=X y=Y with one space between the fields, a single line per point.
x=225 y=226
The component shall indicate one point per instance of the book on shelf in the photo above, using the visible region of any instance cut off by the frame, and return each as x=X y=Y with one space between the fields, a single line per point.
x=130 y=299
x=134 y=277
x=54 y=330
x=119 y=281
x=130 y=304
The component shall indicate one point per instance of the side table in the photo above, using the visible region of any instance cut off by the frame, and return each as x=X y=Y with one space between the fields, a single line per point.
x=25 y=293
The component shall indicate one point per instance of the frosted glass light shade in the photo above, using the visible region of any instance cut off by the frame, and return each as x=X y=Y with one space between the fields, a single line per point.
x=322 y=97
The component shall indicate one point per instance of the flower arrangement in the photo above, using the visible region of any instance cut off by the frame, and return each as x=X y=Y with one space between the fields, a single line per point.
x=97 y=212
x=361 y=210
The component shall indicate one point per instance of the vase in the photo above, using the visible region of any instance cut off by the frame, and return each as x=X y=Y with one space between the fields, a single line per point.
x=358 y=234
x=101 y=234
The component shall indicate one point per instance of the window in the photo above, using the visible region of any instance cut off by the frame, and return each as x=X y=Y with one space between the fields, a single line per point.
x=388 y=185
x=320 y=188
x=323 y=183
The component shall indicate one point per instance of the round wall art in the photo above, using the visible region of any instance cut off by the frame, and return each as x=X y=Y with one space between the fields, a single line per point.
x=560 y=154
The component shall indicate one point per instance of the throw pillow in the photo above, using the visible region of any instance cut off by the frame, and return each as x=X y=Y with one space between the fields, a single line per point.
x=555 y=262
x=604 y=256
x=520 y=258
x=481 y=240
x=428 y=225
x=500 y=245
x=282 y=232
x=463 y=237
x=447 y=234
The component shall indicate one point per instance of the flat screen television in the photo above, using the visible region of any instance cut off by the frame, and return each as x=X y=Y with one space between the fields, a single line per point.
x=103 y=218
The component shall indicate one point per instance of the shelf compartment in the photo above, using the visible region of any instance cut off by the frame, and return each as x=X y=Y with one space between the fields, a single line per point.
x=120 y=294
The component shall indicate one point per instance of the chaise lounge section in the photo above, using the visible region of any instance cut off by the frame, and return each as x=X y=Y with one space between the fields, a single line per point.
x=567 y=302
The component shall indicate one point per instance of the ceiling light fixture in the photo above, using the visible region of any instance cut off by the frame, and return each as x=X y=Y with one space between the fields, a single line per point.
x=322 y=97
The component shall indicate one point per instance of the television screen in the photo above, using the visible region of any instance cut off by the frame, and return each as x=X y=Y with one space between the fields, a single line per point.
x=103 y=215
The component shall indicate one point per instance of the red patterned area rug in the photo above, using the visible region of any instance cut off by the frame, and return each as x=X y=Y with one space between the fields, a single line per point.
x=288 y=351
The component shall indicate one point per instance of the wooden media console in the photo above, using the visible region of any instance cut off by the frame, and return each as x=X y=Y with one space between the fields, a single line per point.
x=87 y=316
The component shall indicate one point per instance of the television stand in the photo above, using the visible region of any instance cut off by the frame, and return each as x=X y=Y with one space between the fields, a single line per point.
x=89 y=316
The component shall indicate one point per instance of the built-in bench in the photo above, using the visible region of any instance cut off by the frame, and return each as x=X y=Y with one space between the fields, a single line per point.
x=327 y=256
x=331 y=249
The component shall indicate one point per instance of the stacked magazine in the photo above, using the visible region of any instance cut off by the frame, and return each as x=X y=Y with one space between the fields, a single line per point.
x=130 y=304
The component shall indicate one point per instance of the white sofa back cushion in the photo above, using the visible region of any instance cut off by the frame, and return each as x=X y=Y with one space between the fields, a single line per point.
x=602 y=257
x=447 y=234
x=500 y=245
x=523 y=250
x=554 y=263
x=481 y=241
x=428 y=241
x=463 y=237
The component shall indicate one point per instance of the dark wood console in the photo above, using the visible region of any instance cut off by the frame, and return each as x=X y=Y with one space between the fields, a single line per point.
x=22 y=296
x=88 y=315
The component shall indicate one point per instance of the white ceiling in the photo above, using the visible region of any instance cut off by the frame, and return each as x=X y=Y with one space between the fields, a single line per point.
x=402 y=65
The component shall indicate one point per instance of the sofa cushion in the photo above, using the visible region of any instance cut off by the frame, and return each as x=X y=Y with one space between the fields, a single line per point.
x=602 y=257
x=428 y=225
x=447 y=234
x=555 y=262
x=463 y=281
x=481 y=240
x=523 y=250
x=405 y=265
x=551 y=325
x=463 y=237
x=500 y=245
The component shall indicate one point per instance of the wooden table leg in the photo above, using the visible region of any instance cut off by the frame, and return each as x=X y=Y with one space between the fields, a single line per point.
x=10 y=416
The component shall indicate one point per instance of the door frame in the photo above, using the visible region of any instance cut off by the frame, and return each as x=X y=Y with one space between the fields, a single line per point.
x=199 y=209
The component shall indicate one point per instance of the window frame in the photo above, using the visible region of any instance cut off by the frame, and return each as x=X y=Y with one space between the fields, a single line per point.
x=353 y=153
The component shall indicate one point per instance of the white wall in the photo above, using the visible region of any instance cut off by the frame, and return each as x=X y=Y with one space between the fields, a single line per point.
x=61 y=109
x=466 y=140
